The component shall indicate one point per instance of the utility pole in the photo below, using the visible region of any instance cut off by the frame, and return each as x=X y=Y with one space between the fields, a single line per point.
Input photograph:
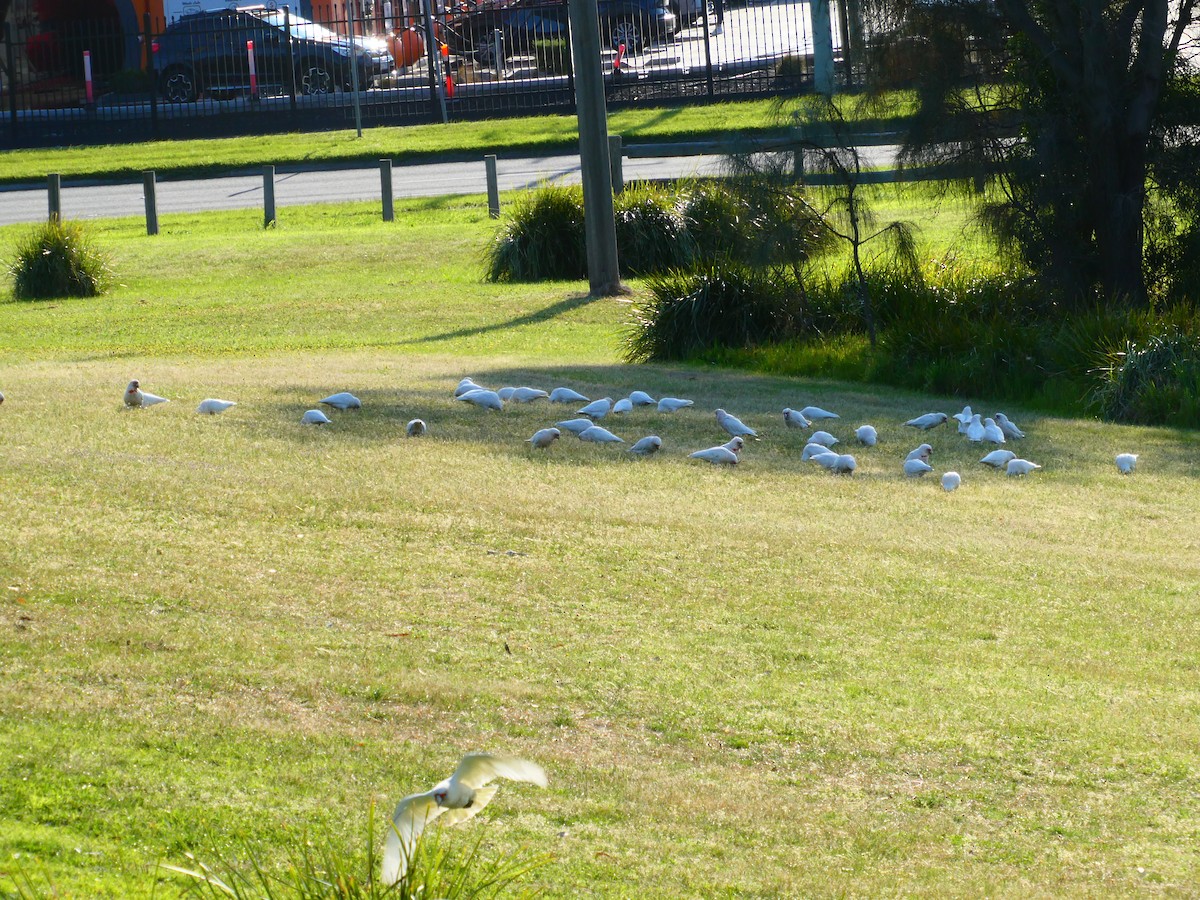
x=604 y=276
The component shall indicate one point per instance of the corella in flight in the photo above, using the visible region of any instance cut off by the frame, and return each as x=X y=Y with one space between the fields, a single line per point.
x=454 y=800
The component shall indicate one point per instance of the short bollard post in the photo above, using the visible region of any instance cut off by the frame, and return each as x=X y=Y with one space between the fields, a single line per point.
x=493 y=186
x=385 y=186
x=268 y=196
x=54 y=191
x=149 y=191
x=798 y=166
x=616 y=163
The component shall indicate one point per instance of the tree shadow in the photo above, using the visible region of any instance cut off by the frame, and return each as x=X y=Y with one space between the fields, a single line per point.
x=542 y=315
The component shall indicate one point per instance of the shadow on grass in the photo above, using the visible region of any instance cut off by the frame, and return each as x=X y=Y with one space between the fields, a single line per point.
x=542 y=315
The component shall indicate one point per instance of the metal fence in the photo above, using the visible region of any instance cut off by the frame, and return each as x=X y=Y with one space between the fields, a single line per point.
x=265 y=69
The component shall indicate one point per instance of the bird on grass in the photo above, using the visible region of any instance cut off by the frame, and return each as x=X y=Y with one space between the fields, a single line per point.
x=824 y=438
x=915 y=468
x=597 y=409
x=623 y=405
x=544 y=438
x=343 y=400
x=1126 y=462
x=483 y=398
x=136 y=398
x=718 y=456
x=867 y=435
x=647 y=446
x=735 y=443
x=467 y=384
x=575 y=425
x=1020 y=467
x=212 y=407
x=951 y=481
x=810 y=450
x=566 y=395
x=793 y=418
x=975 y=429
x=998 y=459
x=1009 y=428
x=927 y=421
x=924 y=453
x=992 y=432
x=733 y=425
x=454 y=800
x=598 y=435
x=315 y=417
x=816 y=414
x=673 y=404
x=845 y=465
x=963 y=418
x=641 y=398
x=416 y=428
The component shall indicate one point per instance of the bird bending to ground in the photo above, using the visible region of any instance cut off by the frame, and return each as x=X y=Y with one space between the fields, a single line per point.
x=544 y=438
x=315 y=417
x=467 y=385
x=211 y=406
x=483 y=398
x=733 y=425
x=951 y=481
x=1020 y=467
x=718 y=456
x=992 y=432
x=641 y=398
x=672 y=404
x=915 y=468
x=343 y=400
x=924 y=453
x=416 y=428
x=454 y=800
x=824 y=438
x=998 y=459
x=623 y=405
x=647 y=445
x=793 y=418
x=867 y=435
x=575 y=426
x=528 y=394
x=566 y=395
x=1126 y=462
x=927 y=421
x=597 y=409
x=136 y=398
x=816 y=414
x=1009 y=427
x=845 y=464
x=810 y=450
x=598 y=435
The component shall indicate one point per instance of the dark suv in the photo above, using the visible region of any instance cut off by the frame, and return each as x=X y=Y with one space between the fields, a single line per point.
x=206 y=53
x=474 y=28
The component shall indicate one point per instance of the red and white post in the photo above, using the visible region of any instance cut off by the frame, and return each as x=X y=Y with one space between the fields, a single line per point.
x=253 y=71
x=87 y=76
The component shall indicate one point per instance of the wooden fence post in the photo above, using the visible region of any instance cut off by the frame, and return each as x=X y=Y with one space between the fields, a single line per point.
x=268 y=196
x=616 y=163
x=54 y=191
x=385 y=187
x=493 y=186
x=151 y=195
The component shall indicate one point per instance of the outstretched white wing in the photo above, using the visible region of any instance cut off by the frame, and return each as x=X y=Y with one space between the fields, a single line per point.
x=412 y=814
x=477 y=769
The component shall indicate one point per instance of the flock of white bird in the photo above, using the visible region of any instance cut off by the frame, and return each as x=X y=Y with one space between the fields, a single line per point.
x=818 y=449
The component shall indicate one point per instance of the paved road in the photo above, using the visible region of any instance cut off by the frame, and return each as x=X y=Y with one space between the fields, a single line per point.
x=298 y=188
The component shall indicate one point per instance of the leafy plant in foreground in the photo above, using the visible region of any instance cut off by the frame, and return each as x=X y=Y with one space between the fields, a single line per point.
x=1153 y=383
x=543 y=239
x=58 y=260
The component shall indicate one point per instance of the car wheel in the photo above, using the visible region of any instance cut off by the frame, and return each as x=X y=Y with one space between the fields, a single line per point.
x=628 y=32
x=314 y=78
x=488 y=49
x=179 y=85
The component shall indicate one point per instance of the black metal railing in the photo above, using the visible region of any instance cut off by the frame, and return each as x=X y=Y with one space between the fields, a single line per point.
x=264 y=69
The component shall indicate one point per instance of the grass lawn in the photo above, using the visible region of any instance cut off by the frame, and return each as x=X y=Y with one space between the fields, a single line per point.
x=762 y=681
x=412 y=143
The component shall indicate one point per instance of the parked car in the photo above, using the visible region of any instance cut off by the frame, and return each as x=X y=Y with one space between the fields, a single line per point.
x=206 y=53
x=471 y=29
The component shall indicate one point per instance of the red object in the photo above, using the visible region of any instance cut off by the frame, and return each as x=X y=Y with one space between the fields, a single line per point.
x=406 y=47
x=253 y=72
x=617 y=58
x=87 y=76
x=449 y=85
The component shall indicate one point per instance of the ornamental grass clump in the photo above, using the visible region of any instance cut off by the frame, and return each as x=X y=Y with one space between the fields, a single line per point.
x=58 y=259
x=652 y=235
x=1154 y=382
x=542 y=240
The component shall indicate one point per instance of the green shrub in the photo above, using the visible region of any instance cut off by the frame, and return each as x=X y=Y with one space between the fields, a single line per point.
x=542 y=239
x=550 y=55
x=718 y=220
x=715 y=306
x=652 y=235
x=58 y=260
x=1156 y=382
